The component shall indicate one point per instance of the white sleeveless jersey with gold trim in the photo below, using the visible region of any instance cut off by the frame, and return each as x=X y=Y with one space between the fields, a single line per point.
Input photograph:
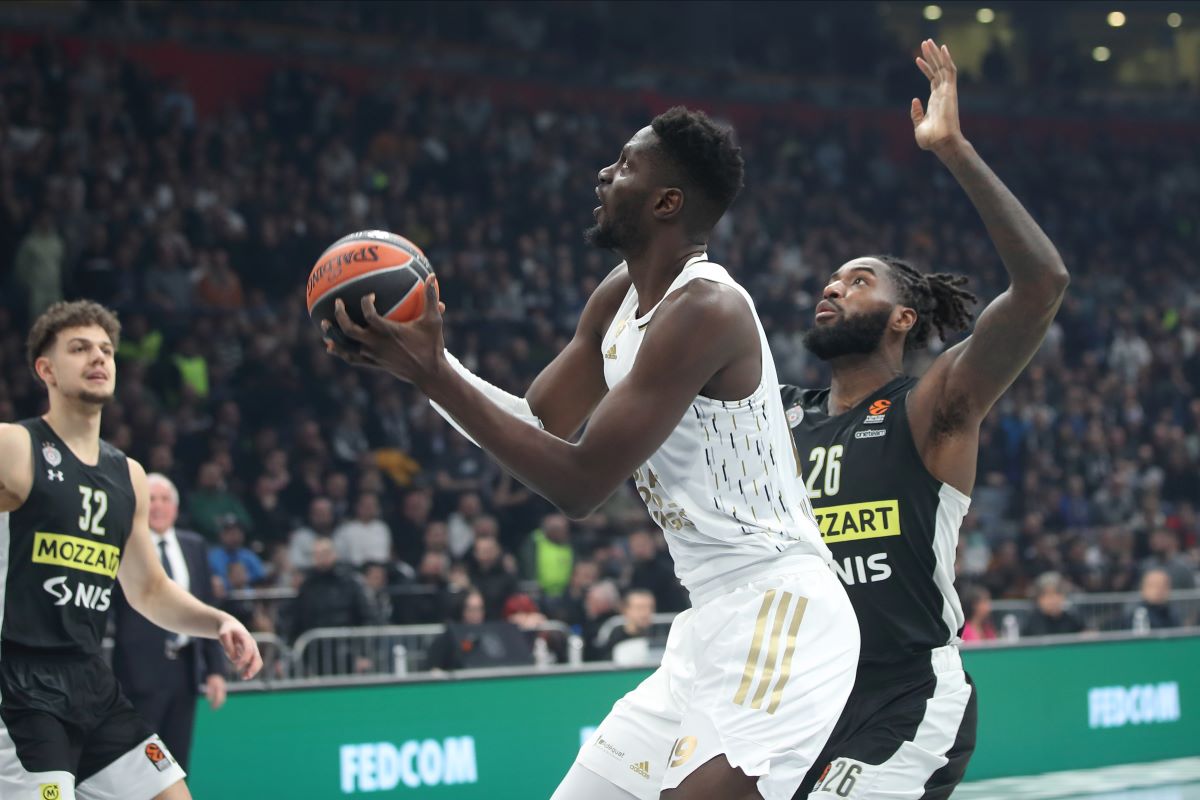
x=725 y=486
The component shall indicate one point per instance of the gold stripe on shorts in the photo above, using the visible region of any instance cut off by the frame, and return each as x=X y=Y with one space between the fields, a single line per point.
x=781 y=611
x=777 y=695
x=755 y=648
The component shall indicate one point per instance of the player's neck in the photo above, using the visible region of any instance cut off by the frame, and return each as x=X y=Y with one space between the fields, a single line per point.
x=855 y=377
x=653 y=269
x=78 y=425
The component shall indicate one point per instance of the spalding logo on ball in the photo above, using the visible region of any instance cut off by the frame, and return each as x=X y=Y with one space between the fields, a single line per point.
x=366 y=262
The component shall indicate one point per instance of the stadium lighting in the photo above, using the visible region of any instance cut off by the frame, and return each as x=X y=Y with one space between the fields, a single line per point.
x=1174 y=19
x=1101 y=53
x=985 y=15
x=1116 y=18
x=933 y=12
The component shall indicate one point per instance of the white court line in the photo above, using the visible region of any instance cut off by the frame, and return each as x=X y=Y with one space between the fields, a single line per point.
x=1083 y=782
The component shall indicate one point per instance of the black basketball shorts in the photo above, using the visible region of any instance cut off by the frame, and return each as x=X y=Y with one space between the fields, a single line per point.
x=67 y=731
x=907 y=731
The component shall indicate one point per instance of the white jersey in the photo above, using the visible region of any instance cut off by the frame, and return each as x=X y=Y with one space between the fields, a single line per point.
x=725 y=486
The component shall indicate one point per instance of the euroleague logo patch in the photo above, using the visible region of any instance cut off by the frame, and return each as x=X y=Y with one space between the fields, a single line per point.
x=876 y=412
x=158 y=756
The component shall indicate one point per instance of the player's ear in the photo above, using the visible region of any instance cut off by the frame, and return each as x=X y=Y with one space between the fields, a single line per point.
x=669 y=203
x=44 y=369
x=903 y=319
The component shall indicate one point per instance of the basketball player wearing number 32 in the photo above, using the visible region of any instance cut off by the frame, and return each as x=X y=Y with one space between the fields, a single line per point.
x=74 y=518
x=671 y=370
x=890 y=462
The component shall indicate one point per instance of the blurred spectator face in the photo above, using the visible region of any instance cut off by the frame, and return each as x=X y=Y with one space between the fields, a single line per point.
x=232 y=535
x=437 y=537
x=320 y=515
x=375 y=576
x=1051 y=601
x=323 y=555
x=337 y=486
x=472 y=613
x=983 y=606
x=601 y=599
x=638 y=610
x=557 y=528
x=1164 y=542
x=641 y=546
x=161 y=458
x=433 y=567
x=418 y=504
x=209 y=476
x=469 y=504
x=164 y=504
x=367 y=508
x=584 y=575
x=239 y=578
x=1156 y=587
x=487 y=553
x=486 y=527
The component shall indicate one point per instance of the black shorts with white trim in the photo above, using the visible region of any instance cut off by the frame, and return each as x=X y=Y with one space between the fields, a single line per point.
x=908 y=729
x=63 y=713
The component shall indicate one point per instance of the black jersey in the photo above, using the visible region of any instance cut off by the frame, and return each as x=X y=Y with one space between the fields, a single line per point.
x=892 y=527
x=59 y=552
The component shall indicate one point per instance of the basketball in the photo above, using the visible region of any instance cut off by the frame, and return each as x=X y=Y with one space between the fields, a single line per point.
x=389 y=266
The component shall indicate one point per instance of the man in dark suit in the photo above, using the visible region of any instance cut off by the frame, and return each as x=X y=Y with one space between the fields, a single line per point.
x=162 y=672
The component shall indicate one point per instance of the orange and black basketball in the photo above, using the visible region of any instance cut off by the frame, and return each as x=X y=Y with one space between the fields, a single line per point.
x=366 y=262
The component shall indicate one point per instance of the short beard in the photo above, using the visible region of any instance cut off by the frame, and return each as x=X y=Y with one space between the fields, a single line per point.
x=94 y=398
x=619 y=231
x=856 y=335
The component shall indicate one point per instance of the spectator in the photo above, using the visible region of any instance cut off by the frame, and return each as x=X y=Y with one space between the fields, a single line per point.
x=1155 y=605
x=600 y=605
x=977 y=609
x=366 y=537
x=637 y=610
x=38 y=266
x=475 y=642
x=409 y=531
x=570 y=606
x=330 y=597
x=233 y=550
x=547 y=557
x=321 y=522
x=447 y=650
x=652 y=570
x=1050 y=617
x=430 y=600
x=460 y=525
x=379 y=597
x=211 y=501
x=1164 y=555
x=494 y=579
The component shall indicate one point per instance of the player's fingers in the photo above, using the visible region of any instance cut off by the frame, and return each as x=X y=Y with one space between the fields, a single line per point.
x=948 y=62
x=926 y=70
x=348 y=326
x=255 y=665
x=931 y=54
x=371 y=314
x=916 y=111
x=226 y=639
x=431 y=298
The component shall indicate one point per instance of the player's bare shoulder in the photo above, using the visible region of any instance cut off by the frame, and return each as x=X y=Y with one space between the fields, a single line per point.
x=16 y=466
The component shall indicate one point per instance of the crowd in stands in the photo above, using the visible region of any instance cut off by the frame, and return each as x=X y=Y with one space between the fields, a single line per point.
x=342 y=484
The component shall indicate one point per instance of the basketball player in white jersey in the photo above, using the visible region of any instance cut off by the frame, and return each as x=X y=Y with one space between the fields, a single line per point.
x=671 y=371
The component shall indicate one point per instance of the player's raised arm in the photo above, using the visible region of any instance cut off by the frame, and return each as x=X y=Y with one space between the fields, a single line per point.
x=162 y=601
x=972 y=375
x=630 y=422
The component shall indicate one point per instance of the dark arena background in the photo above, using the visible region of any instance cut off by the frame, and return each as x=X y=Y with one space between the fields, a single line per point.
x=185 y=163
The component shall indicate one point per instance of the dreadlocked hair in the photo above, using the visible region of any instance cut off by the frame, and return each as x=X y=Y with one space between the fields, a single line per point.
x=937 y=297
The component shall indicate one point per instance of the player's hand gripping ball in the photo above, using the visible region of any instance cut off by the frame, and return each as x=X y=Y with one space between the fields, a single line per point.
x=368 y=262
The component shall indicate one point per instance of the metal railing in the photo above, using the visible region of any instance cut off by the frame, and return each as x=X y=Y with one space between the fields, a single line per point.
x=368 y=650
x=1109 y=611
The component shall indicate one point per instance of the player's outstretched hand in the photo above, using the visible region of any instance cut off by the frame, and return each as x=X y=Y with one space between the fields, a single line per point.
x=412 y=351
x=241 y=648
x=937 y=126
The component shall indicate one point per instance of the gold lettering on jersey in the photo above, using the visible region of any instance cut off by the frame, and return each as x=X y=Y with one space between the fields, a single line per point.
x=75 y=553
x=856 y=521
x=668 y=515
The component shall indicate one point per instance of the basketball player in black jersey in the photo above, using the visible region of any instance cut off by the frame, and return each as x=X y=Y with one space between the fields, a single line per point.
x=74 y=518
x=889 y=463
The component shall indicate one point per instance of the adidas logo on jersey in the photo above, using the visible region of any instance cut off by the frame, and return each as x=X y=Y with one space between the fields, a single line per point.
x=611 y=352
x=641 y=768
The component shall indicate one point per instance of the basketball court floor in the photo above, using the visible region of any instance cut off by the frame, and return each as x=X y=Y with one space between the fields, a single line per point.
x=1177 y=779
